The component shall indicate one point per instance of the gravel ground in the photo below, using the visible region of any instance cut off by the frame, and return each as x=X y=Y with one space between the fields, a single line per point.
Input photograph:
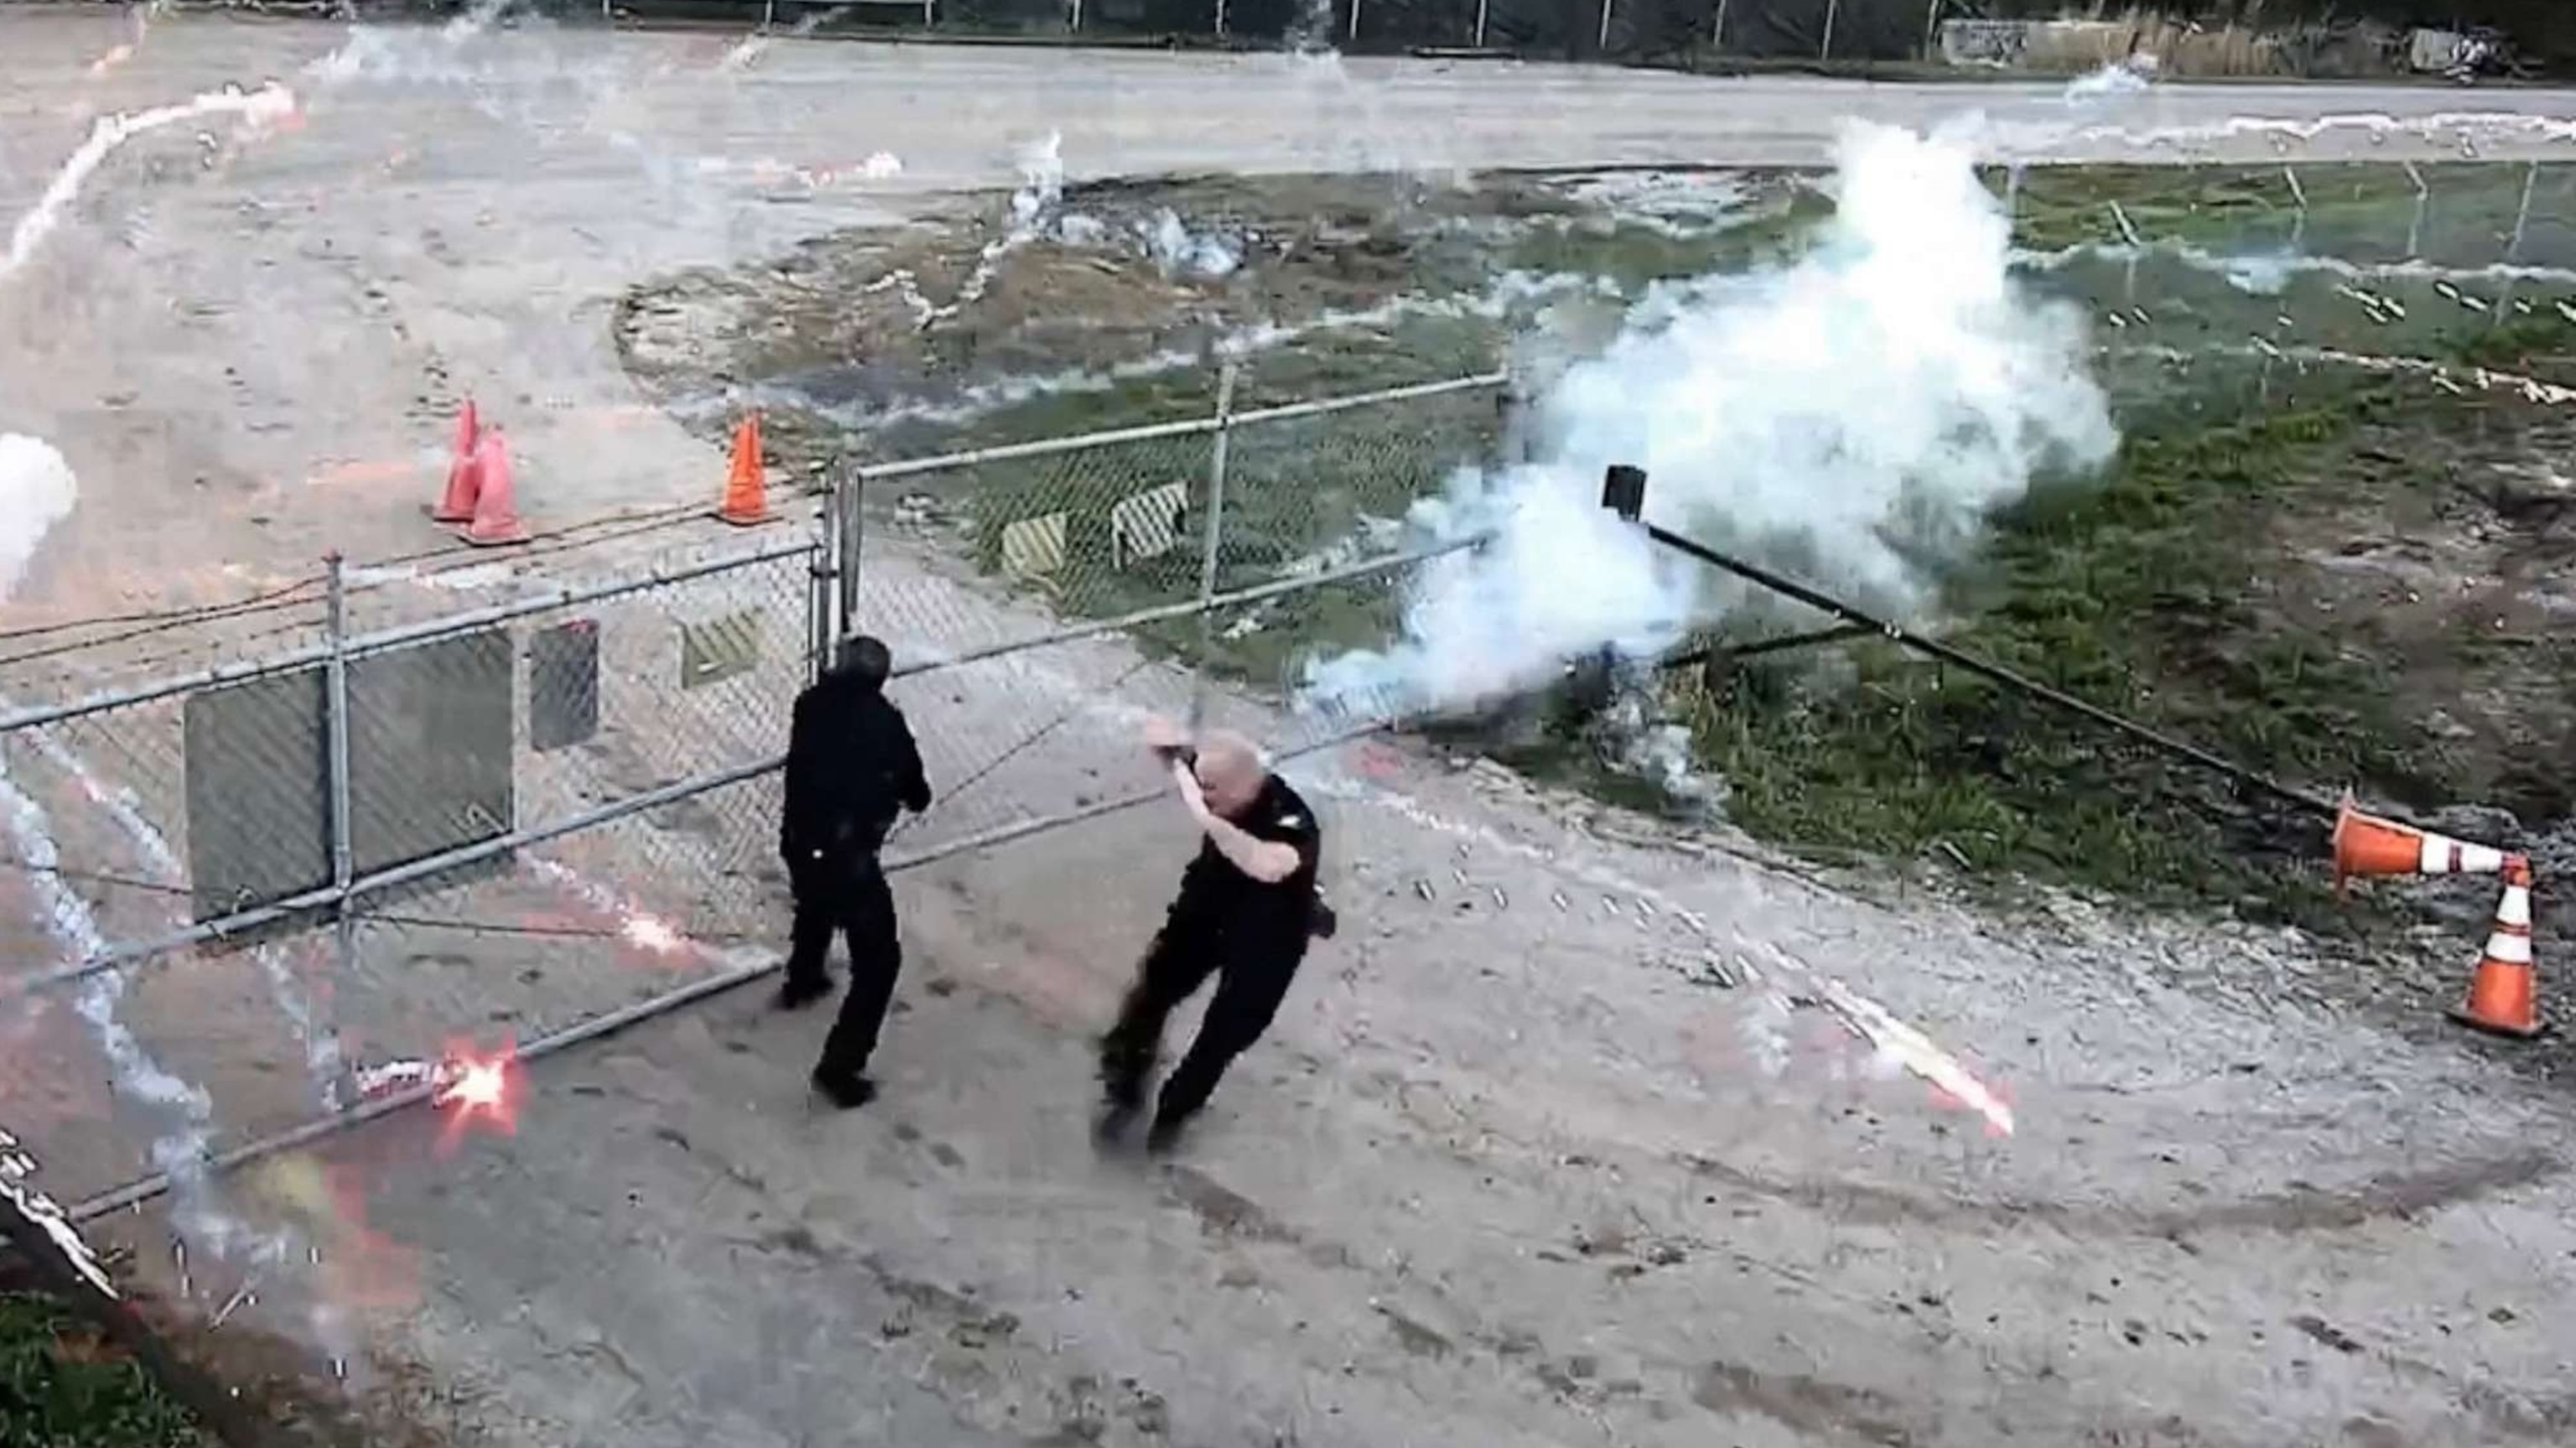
x=1529 y=1159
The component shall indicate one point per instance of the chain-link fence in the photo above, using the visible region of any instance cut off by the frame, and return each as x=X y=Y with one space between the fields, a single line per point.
x=2329 y=550
x=1042 y=598
x=471 y=802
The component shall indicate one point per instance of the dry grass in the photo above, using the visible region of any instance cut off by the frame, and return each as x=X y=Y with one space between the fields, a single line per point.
x=2072 y=47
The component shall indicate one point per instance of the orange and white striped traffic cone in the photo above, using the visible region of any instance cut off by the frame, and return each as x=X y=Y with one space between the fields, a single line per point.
x=2504 y=997
x=2368 y=845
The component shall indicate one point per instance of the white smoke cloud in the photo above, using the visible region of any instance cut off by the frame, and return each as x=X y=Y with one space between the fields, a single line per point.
x=2126 y=77
x=36 y=492
x=1860 y=408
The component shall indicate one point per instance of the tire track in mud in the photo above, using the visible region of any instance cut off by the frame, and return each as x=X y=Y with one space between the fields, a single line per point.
x=2301 y=1207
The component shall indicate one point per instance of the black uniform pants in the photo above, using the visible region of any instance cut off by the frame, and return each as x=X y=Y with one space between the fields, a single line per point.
x=1252 y=979
x=853 y=899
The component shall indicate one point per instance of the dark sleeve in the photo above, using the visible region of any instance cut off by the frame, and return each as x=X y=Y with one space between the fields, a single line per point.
x=796 y=820
x=1307 y=837
x=915 y=784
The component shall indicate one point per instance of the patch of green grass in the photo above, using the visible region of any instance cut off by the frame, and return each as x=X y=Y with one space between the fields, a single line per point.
x=61 y=1388
x=2463 y=216
x=1301 y=495
x=2144 y=593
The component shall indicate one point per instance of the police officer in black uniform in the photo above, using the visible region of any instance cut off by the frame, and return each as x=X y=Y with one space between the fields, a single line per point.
x=852 y=768
x=1246 y=908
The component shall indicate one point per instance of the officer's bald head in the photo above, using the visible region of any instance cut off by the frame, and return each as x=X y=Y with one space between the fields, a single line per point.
x=1230 y=772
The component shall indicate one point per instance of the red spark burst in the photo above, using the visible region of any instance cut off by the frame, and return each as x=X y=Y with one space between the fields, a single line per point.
x=478 y=1086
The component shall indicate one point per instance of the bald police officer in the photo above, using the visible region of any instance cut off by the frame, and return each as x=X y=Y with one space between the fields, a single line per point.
x=1246 y=908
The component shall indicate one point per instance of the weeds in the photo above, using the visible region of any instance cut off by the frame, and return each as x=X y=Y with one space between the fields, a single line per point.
x=61 y=1386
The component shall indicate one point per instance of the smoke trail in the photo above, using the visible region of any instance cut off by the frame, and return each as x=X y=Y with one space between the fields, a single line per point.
x=2115 y=80
x=321 y=1047
x=749 y=49
x=33 y=476
x=267 y=105
x=1858 y=410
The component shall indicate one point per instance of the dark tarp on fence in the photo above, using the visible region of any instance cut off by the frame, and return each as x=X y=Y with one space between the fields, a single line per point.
x=1643 y=31
x=1798 y=29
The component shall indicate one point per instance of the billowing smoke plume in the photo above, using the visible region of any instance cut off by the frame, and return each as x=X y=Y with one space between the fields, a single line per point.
x=36 y=492
x=1854 y=413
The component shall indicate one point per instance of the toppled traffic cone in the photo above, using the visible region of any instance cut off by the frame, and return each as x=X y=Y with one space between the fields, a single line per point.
x=2504 y=998
x=746 y=494
x=496 y=514
x=456 y=505
x=2368 y=845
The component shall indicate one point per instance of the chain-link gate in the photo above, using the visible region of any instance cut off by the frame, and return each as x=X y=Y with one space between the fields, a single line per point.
x=534 y=819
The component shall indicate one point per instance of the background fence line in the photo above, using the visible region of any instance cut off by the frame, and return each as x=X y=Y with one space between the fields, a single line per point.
x=2027 y=36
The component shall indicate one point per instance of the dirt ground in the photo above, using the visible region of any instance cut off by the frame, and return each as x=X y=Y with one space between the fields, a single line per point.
x=1522 y=1162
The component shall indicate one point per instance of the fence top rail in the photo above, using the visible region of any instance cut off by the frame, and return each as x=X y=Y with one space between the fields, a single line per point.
x=542 y=600
x=1213 y=421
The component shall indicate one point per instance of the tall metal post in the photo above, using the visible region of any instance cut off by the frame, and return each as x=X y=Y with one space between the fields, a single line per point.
x=335 y=679
x=823 y=586
x=2513 y=246
x=1717 y=31
x=849 y=535
x=2423 y=203
x=1479 y=41
x=1825 y=51
x=1220 y=19
x=1213 y=536
x=1606 y=7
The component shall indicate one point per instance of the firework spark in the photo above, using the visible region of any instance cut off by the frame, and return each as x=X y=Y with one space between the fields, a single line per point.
x=473 y=1086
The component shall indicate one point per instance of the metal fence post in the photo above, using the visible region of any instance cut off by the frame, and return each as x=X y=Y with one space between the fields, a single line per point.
x=1214 y=535
x=1825 y=51
x=823 y=584
x=1479 y=41
x=344 y=856
x=1607 y=7
x=1717 y=31
x=2513 y=245
x=2423 y=203
x=849 y=537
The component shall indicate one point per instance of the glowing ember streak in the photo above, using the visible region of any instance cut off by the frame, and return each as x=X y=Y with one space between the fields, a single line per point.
x=269 y=105
x=1915 y=1051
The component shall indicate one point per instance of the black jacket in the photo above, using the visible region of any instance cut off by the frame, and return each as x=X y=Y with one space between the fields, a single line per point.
x=852 y=767
x=1254 y=918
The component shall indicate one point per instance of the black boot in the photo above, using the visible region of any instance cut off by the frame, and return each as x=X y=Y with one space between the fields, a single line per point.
x=849 y=1093
x=796 y=995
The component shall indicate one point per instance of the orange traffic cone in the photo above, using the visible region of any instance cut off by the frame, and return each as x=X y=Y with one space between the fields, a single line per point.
x=496 y=516
x=2368 y=845
x=2504 y=998
x=746 y=496
x=456 y=505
